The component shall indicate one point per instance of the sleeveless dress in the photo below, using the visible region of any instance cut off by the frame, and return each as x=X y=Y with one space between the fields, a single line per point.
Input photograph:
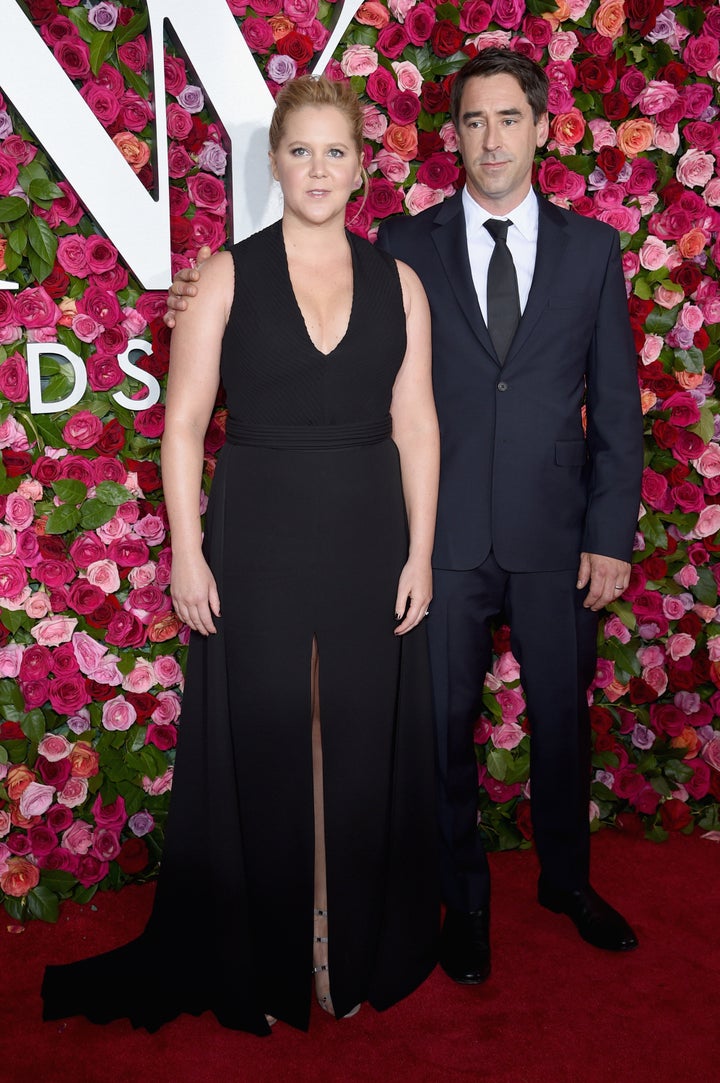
x=306 y=535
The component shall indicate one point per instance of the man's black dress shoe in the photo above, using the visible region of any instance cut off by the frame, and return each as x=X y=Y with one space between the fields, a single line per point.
x=465 y=946
x=596 y=921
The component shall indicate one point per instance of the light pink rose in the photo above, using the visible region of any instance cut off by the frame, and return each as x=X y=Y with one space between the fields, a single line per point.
x=106 y=844
x=695 y=168
x=7 y=540
x=708 y=522
x=53 y=630
x=711 y=194
x=690 y=317
x=653 y=253
x=672 y=606
x=657 y=96
x=142 y=576
x=115 y=528
x=651 y=349
x=562 y=45
x=159 y=785
x=708 y=465
x=624 y=219
x=679 y=645
x=656 y=677
x=651 y=656
x=408 y=76
x=508 y=735
x=5 y=825
x=420 y=196
x=10 y=659
x=713 y=648
x=141 y=678
x=36 y=799
x=54 y=747
x=359 y=60
x=506 y=668
x=374 y=124
x=85 y=327
x=401 y=8
x=73 y=794
x=19 y=511
x=118 y=714
x=88 y=652
x=104 y=574
x=78 y=837
x=167 y=671
x=667 y=141
x=666 y=298
x=13 y=435
x=107 y=672
x=392 y=167
x=151 y=528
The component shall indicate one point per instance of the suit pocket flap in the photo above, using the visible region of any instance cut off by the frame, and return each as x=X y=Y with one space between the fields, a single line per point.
x=570 y=453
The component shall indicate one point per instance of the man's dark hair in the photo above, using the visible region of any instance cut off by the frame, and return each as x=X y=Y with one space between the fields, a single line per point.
x=529 y=75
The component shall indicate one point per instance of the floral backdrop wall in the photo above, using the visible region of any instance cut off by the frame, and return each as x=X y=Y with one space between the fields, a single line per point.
x=91 y=653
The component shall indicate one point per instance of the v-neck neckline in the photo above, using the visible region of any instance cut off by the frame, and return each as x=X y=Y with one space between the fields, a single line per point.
x=299 y=310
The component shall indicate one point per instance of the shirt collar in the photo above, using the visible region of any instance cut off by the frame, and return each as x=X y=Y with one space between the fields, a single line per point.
x=524 y=216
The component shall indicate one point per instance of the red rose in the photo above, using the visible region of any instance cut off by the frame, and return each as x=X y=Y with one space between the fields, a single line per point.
x=393 y=40
x=160 y=338
x=601 y=719
x=438 y=171
x=125 y=630
x=674 y=814
x=298 y=46
x=17 y=463
x=688 y=275
x=112 y=438
x=54 y=773
x=674 y=73
x=428 y=143
x=144 y=704
x=665 y=434
x=403 y=107
x=523 y=819
x=57 y=282
x=84 y=597
x=11 y=731
x=163 y=737
x=640 y=691
x=655 y=567
x=383 y=198
x=128 y=552
x=151 y=422
x=680 y=676
x=101 y=616
x=616 y=105
x=434 y=98
x=69 y=693
x=133 y=856
x=594 y=74
x=642 y=14
x=701 y=339
x=611 y=160
x=100 y=693
x=446 y=38
x=148 y=474
x=46 y=470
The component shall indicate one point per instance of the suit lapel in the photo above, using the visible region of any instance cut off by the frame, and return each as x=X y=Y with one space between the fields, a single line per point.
x=551 y=242
x=451 y=243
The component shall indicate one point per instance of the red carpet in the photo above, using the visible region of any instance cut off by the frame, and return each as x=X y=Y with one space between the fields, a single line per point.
x=554 y=1011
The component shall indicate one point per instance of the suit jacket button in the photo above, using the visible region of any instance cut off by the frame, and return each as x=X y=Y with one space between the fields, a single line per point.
x=502 y=386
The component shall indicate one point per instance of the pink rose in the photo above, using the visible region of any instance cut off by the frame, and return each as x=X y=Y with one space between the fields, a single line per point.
x=168 y=672
x=506 y=668
x=512 y=704
x=19 y=511
x=53 y=630
x=35 y=308
x=13 y=577
x=14 y=378
x=419 y=197
x=106 y=844
x=679 y=645
x=653 y=253
x=88 y=652
x=36 y=799
x=359 y=60
x=104 y=574
x=141 y=678
x=408 y=76
x=168 y=708
x=54 y=747
x=615 y=628
x=78 y=837
x=68 y=694
x=695 y=168
x=82 y=429
x=113 y=815
x=708 y=465
x=708 y=522
x=118 y=714
x=156 y=786
x=11 y=659
x=711 y=751
x=391 y=166
x=701 y=53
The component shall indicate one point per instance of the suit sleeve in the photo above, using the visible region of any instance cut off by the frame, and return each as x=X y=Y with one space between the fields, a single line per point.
x=614 y=423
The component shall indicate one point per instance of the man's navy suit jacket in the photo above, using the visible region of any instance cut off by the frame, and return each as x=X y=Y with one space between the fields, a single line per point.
x=519 y=475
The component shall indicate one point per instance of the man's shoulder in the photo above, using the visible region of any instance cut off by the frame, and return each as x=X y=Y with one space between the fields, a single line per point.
x=587 y=230
x=403 y=229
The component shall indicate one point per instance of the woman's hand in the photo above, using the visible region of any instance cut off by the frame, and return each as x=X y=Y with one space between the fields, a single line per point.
x=183 y=285
x=415 y=593
x=194 y=593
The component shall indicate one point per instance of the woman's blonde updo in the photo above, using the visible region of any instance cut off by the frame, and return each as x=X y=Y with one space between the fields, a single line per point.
x=310 y=91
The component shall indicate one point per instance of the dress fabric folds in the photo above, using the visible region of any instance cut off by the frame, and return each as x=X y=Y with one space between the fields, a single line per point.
x=306 y=535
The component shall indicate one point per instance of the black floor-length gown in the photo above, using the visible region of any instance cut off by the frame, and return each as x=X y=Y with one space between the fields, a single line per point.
x=306 y=535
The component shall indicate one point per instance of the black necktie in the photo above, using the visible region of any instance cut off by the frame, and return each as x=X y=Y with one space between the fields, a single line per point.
x=503 y=301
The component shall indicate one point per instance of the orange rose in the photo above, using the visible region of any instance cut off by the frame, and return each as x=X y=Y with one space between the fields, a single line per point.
x=689 y=380
x=688 y=739
x=135 y=151
x=20 y=877
x=635 y=136
x=647 y=400
x=18 y=820
x=68 y=309
x=692 y=243
x=609 y=18
x=372 y=14
x=17 y=781
x=280 y=26
x=615 y=690
x=163 y=627
x=401 y=139
x=559 y=16
x=568 y=128
x=84 y=760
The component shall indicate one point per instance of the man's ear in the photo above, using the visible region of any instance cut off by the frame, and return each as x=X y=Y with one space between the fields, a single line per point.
x=543 y=129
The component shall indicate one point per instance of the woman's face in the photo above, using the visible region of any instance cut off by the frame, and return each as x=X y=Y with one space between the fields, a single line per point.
x=316 y=163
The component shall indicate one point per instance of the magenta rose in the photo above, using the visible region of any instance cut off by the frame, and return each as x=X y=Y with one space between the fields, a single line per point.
x=175 y=74
x=69 y=693
x=179 y=122
x=394 y=39
x=701 y=54
x=403 y=107
x=14 y=383
x=112 y=816
x=101 y=305
x=207 y=191
x=106 y=844
x=13 y=577
x=150 y=423
x=383 y=198
x=439 y=170
x=36 y=662
x=258 y=34
x=128 y=552
x=125 y=630
x=104 y=372
x=163 y=737
x=54 y=774
x=103 y=103
x=82 y=429
x=73 y=56
x=91 y=870
x=134 y=54
x=35 y=308
x=42 y=840
x=59 y=818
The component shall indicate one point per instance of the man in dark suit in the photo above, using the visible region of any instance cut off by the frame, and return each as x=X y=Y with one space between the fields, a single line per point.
x=536 y=517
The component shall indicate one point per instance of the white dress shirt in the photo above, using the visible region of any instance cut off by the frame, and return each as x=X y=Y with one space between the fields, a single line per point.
x=521 y=240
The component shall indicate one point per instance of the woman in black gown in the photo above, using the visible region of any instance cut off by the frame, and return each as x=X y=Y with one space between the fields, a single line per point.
x=301 y=832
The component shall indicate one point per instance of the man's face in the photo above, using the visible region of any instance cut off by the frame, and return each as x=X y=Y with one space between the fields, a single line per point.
x=498 y=139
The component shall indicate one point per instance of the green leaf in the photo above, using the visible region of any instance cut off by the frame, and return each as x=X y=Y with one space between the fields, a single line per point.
x=70 y=491
x=43 y=904
x=94 y=514
x=9 y=692
x=12 y=260
x=62 y=519
x=44 y=190
x=449 y=12
x=136 y=26
x=101 y=46
x=497 y=763
x=83 y=895
x=79 y=17
x=691 y=360
x=660 y=320
x=653 y=530
x=540 y=7
x=705 y=590
x=624 y=655
x=12 y=208
x=57 y=880
x=678 y=771
x=13 y=619
x=16 y=908
x=17 y=240
x=42 y=240
x=134 y=80
x=642 y=289
x=40 y=268
x=109 y=492
x=579 y=163
x=705 y=427
x=33 y=725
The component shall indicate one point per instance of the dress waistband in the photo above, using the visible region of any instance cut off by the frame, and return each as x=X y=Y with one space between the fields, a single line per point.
x=308 y=437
